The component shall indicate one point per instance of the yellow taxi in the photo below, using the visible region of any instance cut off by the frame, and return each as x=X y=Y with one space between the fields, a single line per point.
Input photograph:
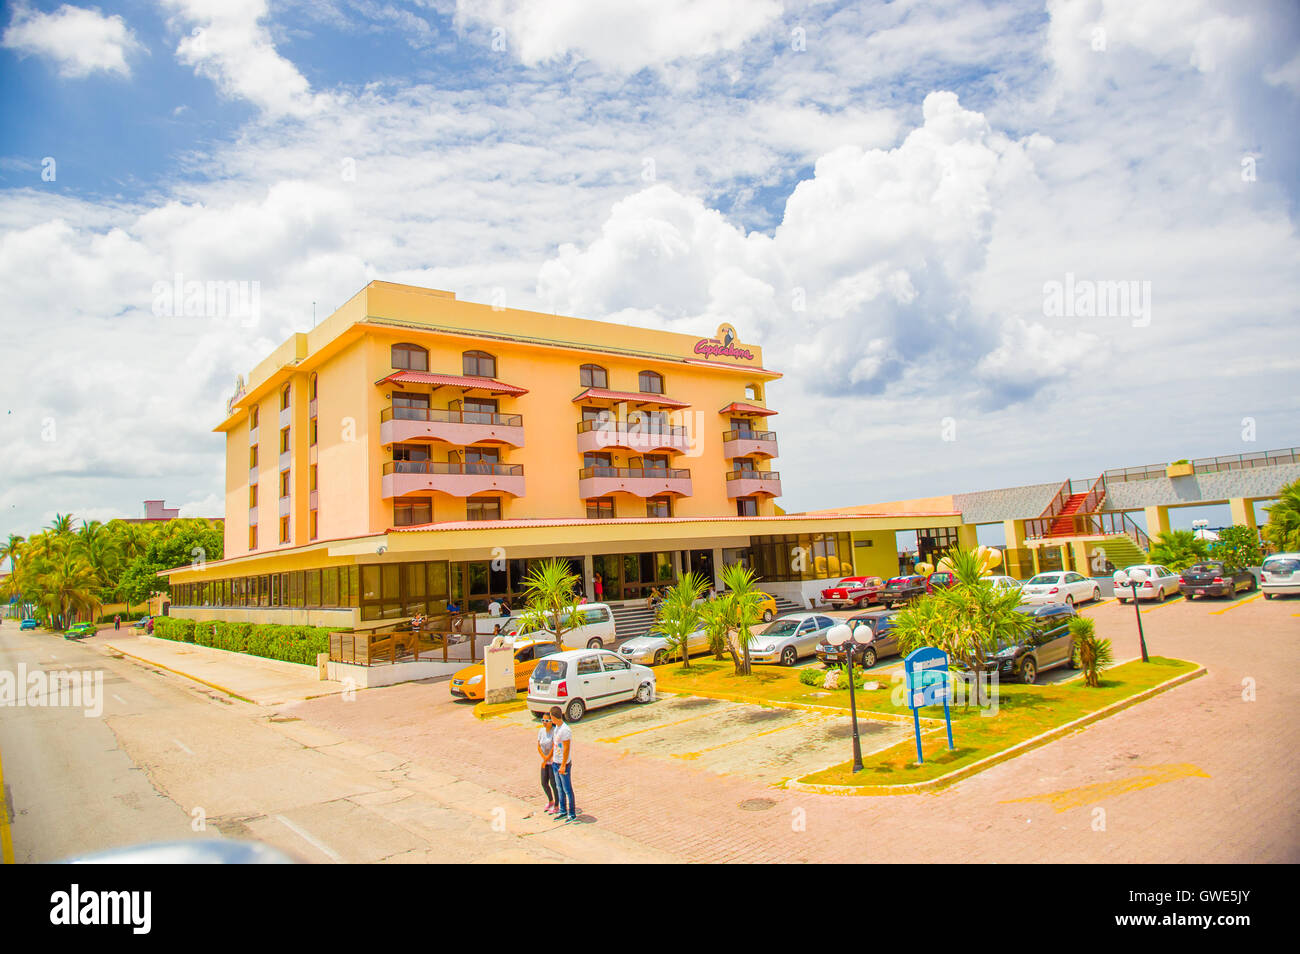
x=468 y=682
x=766 y=607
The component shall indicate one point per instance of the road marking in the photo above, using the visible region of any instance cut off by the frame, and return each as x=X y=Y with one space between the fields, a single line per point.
x=6 y=837
x=1229 y=609
x=1110 y=599
x=305 y=836
x=119 y=698
x=794 y=724
x=183 y=747
x=1069 y=798
x=661 y=725
x=1152 y=609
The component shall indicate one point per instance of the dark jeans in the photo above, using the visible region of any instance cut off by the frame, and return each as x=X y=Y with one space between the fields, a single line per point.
x=548 y=780
x=564 y=788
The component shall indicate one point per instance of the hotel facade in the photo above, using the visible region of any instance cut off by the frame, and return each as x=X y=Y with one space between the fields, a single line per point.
x=413 y=450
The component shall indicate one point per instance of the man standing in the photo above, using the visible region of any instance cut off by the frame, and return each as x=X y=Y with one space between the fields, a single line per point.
x=562 y=742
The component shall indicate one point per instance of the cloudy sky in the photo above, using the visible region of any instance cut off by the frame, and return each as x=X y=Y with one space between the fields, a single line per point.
x=882 y=195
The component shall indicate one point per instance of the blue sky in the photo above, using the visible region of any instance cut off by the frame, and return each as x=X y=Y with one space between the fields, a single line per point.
x=877 y=193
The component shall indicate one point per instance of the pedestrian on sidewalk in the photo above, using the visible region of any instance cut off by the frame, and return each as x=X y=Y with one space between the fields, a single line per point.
x=599 y=586
x=117 y=622
x=561 y=761
x=545 y=746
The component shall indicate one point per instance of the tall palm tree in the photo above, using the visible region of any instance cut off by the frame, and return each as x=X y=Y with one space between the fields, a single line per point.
x=62 y=525
x=740 y=609
x=68 y=587
x=679 y=615
x=1283 y=529
x=11 y=549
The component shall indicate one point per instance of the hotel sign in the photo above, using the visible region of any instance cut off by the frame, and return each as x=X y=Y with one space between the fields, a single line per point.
x=723 y=345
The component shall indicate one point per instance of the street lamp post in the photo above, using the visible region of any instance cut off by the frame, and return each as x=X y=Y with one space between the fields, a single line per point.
x=1133 y=579
x=841 y=635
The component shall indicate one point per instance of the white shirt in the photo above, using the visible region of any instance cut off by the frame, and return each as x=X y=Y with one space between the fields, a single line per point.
x=494 y=608
x=561 y=735
x=544 y=737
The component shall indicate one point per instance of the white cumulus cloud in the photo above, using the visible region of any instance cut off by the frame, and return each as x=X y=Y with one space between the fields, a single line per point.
x=80 y=41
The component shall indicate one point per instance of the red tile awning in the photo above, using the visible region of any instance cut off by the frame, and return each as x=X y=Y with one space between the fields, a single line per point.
x=600 y=394
x=739 y=407
x=491 y=385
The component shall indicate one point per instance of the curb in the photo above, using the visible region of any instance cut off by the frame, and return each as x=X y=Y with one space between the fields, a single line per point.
x=183 y=675
x=484 y=711
x=1051 y=735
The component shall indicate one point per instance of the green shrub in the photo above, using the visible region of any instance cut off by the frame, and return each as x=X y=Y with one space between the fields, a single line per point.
x=297 y=644
x=812 y=677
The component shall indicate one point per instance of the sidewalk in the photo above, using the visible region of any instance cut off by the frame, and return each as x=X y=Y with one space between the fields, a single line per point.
x=263 y=682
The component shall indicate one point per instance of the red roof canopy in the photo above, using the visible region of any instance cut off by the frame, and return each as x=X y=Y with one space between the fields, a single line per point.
x=740 y=407
x=491 y=385
x=600 y=394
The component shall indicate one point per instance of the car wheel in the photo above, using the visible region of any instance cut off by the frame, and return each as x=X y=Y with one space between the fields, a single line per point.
x=1254 y=585
x=1028 y=672
x=1096 y=594
x=1269 y=596
x=788 y=656
x=767 y=616
x=645 y=693
x=1122 y=600
x=868 y=657
x=659 y=657
x=1069 y=600
x=575 y=710
x=1160 y=595
x=595 y=643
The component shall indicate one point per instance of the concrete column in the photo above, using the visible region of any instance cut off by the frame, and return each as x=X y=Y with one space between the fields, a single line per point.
x=1243 y=512
x=1157 y=521
x=677 y=563
x=967 y=536
x=717 y=568
x=589 y=577
x=1080 y=557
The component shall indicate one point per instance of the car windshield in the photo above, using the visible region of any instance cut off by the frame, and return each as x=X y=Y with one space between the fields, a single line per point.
x=899 y=581
x=849 y=582
x=1281 y=565
x=1046 y=578
x=782 y=627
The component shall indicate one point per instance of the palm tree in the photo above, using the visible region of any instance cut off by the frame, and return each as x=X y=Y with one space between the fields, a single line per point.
x=551 y=592
x=1093 y=654
x=68 y=587
x=713 y=617
x=10 y=550
x=968 y=620
x=679 y=616
x=1178 y=549
x=62 y=525
x=740 y=610
x=1283 y=529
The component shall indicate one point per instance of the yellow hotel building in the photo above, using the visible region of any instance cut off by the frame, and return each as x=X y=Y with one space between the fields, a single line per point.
x=413 y=450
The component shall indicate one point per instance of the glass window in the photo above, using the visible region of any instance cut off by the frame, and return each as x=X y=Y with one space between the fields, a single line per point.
x=482 y=508
x=284 y=398
x=746 y=507
x=600 y=508
x=410 y=357
x=659 y=507
x=593 y=376
x=479 y=364
x=588 y=665
x=613 y=664
x=329 y=595
x=410 y=513
x=651 y=382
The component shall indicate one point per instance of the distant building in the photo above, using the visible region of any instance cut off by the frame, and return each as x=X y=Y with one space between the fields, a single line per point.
x=156 y=511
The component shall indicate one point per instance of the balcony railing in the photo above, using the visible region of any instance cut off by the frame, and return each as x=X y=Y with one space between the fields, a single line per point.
x=635 y=473
x=1108 y=523
x=440 y=416
x=635 y=427
x=753 y=475
x=478 y=468
x=1212 y=465
x=743 y=435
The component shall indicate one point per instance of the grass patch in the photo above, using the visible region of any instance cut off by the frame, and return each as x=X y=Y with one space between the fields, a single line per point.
x=766 y=684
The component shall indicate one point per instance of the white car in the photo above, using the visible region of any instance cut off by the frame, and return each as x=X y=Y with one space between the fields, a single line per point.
x=578 y=680
x=1061 y=586
x=1160 y=582
x=653 y=649
x=1004 y=583
x=1280 y=574
x=597 y=629
x=790 y=638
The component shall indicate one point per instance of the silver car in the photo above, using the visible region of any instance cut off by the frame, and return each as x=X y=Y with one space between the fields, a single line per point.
x=1280 y=574
x=789 y=638
x=653 y=650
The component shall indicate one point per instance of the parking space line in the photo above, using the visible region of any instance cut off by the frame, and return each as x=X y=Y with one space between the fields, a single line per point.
x=1228 y=609
x=661 y=725
x=1152 y=609
x=797 y=723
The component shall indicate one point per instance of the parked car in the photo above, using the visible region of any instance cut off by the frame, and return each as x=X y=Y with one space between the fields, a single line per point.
x=28 y=623
x=942 y=579
x=144 y=622
x=1280 y=574
x=468 y=682
x=873 y=632
x=854 y=591
x=1214 y=578
x=1160 y=582
x=1004 y=583
x=790 y=638
x=767 y=606
x=578 y=680
x=1060 y=586
x=80 y=631
x=596 y=631
x=1047 y=645
x=904 y=589
x=653 y=650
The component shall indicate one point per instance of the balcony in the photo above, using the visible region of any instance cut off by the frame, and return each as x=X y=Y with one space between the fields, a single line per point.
x=286 y=505
x=286 y=416
x=753 y=483
x=252 y=475
x=401 y=424
x=252 y=436
x=252 y=516
x=311 y=408
x=637 y=481
x=738 y=443
x=286 y=458
x=313 y=500
x=403 y=477
x=642 y=436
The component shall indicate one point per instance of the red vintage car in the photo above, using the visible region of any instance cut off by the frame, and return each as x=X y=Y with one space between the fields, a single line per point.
x=853 y=592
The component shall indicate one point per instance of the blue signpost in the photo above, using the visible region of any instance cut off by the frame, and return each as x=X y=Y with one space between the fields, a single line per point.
x=929 y=683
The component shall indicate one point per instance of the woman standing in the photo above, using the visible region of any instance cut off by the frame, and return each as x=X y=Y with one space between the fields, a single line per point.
x=545 y=746
x=599 y=586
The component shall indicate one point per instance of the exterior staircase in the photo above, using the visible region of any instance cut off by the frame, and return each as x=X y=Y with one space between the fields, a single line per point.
x=635 y=618
x=1063 y=526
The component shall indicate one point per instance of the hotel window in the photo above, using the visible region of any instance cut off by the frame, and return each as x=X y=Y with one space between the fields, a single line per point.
x=743 y=465
x=409 y=357
x=753 y=392
x=312 y=387
x=284 y=483
x=411 y=513
x=654 y=462
x=284 y=529
x=311 y=524
x=252 y=496
x=482 y=508
x=284 y=398
x=252 y=418
x=600 y=508
x=596 y=459
x=659 y=507
x=252 y=456
x=593 y=376
x=746 y=507
x=284 y=440
x=313 y=475
x=252 y=538
x=479 y=364
x=411 y=407
x=480 y=406
x=487 y=457
x=311 y=432
x=651 y=382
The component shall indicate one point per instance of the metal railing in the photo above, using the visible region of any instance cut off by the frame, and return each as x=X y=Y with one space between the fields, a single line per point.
x=1058 y=502
x=440 y=416
x=739 y=435
x=654 y=473
x=753 y=475
x=1212 y=465
x=444 y=467
x=1110 y=523
x=641 y=427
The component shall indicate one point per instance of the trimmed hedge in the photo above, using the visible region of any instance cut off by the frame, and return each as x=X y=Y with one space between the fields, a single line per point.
x=297 y=644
